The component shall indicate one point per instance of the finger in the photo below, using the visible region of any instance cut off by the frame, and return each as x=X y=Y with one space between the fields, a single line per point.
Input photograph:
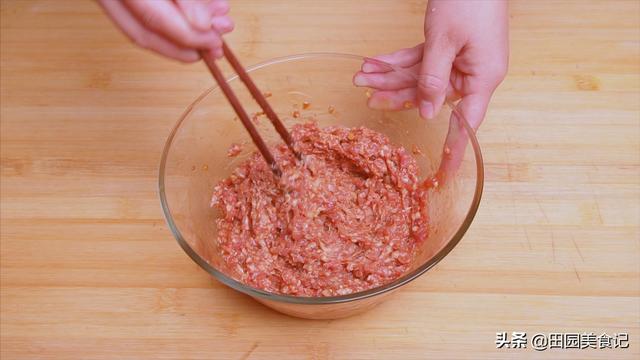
x=433 y=77
x=219 y=7
x=165 y=18
x=222 y=24
x=452 y=94
x=395 y=80
x=473 y=108
x=197 y=12
x=144 y=38
x=454 y=147
x=470 y=109
x=403 y=58
x=215 y=53
x=400 y=99
x=392 y=80
x=393 y=100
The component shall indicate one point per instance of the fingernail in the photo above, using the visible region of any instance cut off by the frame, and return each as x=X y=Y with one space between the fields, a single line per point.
x=222 y=24
x=359 y=80
x=367 y=67
x=426 y=109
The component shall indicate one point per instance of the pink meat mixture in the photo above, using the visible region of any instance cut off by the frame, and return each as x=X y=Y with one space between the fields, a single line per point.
x=347 y=218
x=234 y=150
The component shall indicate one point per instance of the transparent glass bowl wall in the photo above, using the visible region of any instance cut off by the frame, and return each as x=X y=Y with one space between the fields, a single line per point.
x=195 y=160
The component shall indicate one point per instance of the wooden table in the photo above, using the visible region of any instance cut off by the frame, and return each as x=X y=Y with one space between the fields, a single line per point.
x=90 y=270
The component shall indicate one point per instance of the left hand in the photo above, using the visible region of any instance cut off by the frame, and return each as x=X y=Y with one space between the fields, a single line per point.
x=465 y=55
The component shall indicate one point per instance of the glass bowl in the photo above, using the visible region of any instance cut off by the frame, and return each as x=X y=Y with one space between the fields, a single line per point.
x=195 y=159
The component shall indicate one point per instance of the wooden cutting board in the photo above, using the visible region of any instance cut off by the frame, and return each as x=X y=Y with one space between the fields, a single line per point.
x=90 y=270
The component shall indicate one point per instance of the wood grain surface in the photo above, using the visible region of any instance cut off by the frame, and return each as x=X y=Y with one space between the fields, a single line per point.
x=89 y=270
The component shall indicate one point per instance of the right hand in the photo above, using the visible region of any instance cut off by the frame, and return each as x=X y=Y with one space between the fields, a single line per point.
x=178 y=29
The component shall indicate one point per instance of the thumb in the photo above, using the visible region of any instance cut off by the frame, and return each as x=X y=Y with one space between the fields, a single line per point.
x=433 y=77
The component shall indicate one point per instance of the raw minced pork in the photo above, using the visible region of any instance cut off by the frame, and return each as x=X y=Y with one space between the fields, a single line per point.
x=346 y=218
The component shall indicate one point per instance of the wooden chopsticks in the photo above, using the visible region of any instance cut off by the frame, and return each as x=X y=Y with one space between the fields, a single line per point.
x=242 y=114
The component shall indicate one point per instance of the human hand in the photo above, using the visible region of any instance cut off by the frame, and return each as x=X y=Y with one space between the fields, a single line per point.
x=464 y=56
x=178 y=29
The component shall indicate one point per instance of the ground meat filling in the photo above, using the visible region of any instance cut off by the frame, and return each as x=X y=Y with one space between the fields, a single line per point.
x=347 y=218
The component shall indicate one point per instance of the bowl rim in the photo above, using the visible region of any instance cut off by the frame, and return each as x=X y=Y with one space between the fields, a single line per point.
x=254 y=292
